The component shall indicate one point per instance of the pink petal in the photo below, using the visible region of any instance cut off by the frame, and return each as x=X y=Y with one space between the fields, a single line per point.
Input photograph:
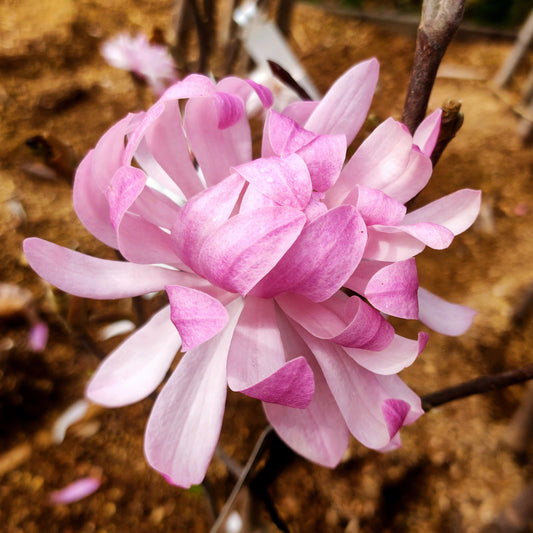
x=126 y=185
x=308 y=269
x=216 y=150
x=256 y=362
x=344 y=107
x=318 y=432
x=90 y=277
x=398 y=243
x=352 y=385
x=427 y=133
x=399 y=354
x=285 y=181
x=285 y=135
x=194 y=85
x=185 y=422
x=389 y=287
x=457 y=211
x=244 y=89
x=380 y=159
x=442 y=316
x=342 y=320
x=38 y=337
x=202 y=215
x=413 y=179
x=300 y=111
x=375 y=206
x=395 y=411
x=76 y=491
x=324 y=158
x=230 y=109
x=196 y=315
x=133 y=370
x=247 y=247
x=167 y=143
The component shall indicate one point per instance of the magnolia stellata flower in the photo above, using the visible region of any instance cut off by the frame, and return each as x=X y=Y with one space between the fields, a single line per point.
x=256 y=256
x=149 y=62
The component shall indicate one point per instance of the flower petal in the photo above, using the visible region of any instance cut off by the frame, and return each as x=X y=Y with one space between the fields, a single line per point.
x=342 y=320
x=248 y=245
x=307 y=268
x=457 y=211
x=389 y=287
x=257 y=365
x=382 y=157
x=399 y=354
x=285 y=181
x=318 y=432
x=216 y=149
x=375 y=206
x=196 y=315
x=133 y=370
x=76 y=491
x=427 y=133
x=442 y=316
x=185 y=422
x=90 y=277
x=344 y=107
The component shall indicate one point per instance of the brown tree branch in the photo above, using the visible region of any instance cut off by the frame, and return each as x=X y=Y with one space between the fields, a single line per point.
x=439 y=22
x=478 y=386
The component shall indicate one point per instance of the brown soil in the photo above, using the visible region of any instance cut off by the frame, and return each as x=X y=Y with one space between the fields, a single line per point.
x=454 y=472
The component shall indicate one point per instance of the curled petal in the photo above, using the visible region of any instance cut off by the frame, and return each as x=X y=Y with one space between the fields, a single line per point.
x=216 y=149
x=248 y=245
x=342 y=320
x=399 y=354
x=375 y=206
x=194 y=85
x=257 y=363
x=285 y=181
x=185 y=422
x=196 y=315
x=307 y=267
x=202 y=215
x=125 y=187
x=90 y=277
x=397 y=243
x=442 y=316
x=427 y=133
x=133 y=370
x=456 y=212
x=390 y=287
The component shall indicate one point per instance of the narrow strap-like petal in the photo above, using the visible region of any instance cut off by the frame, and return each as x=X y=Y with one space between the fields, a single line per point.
x=344 y=107
x=457 y=211
x=442 y=316
x=185 y=422
x=133 y=370
x=90 y=277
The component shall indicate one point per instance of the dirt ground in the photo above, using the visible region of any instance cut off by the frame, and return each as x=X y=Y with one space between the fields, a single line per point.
x=454 y=472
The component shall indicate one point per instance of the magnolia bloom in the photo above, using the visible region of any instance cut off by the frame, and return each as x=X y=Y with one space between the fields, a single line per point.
x=253 y=254
x=149 y=62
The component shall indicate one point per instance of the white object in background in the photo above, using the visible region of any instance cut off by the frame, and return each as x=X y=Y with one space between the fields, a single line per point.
x=263 y=40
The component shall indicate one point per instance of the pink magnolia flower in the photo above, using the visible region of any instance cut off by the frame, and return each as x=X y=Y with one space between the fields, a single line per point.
x=254 y=255
x=149 y=62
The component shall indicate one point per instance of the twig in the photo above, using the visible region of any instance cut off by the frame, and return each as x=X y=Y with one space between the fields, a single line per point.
x=478 y=386
x=452 y=120
x=439 y=22
x=245 y=474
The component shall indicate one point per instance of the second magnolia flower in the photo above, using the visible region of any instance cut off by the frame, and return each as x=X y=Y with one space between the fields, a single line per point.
x=253 y=255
